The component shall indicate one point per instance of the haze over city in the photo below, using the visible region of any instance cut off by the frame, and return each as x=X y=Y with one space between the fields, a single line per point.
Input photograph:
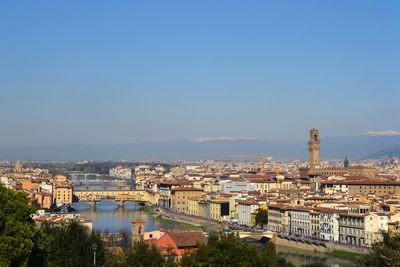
x=129 y=72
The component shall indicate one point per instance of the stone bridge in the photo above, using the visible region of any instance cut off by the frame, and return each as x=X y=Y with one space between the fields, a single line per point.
x=256 y=235
x=115 y=194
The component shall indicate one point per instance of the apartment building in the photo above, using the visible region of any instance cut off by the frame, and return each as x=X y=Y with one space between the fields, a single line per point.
x=374 y=187
x=237 y=186
x=264 y=185
x=165 y=190
x=221 y=210
x=62 y=191
x=300 y=221
x=121 y=172
x=278 y=218
x=315 y=224
x=376 y=223
x=352 y=229
x=181 y=195
x=329 y=225
x=244 y=210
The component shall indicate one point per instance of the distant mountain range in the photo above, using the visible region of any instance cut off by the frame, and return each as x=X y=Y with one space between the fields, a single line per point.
x=386 y=153
x=355 y=147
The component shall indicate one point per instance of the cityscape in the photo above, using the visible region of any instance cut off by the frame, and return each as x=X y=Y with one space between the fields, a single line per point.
x=205 y=133
x=312 y=206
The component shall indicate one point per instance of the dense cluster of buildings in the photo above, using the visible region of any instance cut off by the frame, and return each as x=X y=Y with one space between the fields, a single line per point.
x=330 y=201
x=121 y=172
x=349 y=204
x=42 y=189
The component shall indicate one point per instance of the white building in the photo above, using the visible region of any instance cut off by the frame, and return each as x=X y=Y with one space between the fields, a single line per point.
x=7 y=182
x=300 y=221
x=244 y=209
x=375 y=223
x=121 y=172
x=46 y=187
x=159 y=169
x=237 y=186
x=329 y=225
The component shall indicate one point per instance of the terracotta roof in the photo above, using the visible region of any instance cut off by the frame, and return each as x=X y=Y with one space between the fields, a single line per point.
x=43 y=193
x=353 y=215
x=186 y=189
x=219 y=201
x=361 y=182
x=300 y=208
x=138 y=221
x=248 y=203
x=327 y=210
x=261 y=180
x=260 y=176
x=186 y=239
x=277 y=206
x=176 y=182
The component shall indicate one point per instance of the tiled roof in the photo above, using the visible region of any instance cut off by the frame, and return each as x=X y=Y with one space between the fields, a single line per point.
x=248 y=203
x=361 y=182
x=186 y=189
x=186 y=239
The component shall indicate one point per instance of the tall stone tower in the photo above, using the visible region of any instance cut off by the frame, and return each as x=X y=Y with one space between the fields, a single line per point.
x=18 y=167
x=313 y=148
x=137 y=230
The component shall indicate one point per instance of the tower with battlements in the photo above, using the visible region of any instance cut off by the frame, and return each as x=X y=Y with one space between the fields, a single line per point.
x=313 y=148
x=137 y=230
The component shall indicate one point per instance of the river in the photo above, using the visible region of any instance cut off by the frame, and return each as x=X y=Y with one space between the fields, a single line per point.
x=109 y=217
x=299 y=257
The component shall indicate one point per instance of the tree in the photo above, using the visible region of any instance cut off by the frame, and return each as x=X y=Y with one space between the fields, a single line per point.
x=16 y=228
x=24 y=244
x=262 y=217
x=268 y=255
x=39 y=253
x=314 y=264
x=283 y=263
x=115 y=259
x=224 y=250
x=385 y=253
x=72 y=245
x=142 y=255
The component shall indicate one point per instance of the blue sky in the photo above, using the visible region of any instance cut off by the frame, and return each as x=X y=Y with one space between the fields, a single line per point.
x=95 y=72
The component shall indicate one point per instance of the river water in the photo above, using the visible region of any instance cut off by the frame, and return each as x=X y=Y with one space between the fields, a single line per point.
x=299 y=257
x=109 y=217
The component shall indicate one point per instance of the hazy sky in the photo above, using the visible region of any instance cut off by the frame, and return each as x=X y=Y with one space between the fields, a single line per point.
x=94 y=72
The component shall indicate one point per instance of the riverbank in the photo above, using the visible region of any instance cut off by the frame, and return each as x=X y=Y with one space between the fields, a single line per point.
x=175 y=220
x=207 y=224
x=334 y=249
x=299 y=257
x=352 y=256
x=150 y=211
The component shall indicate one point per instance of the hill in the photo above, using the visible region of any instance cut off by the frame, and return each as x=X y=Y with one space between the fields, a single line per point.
x=386 y=153
x=356 y=147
